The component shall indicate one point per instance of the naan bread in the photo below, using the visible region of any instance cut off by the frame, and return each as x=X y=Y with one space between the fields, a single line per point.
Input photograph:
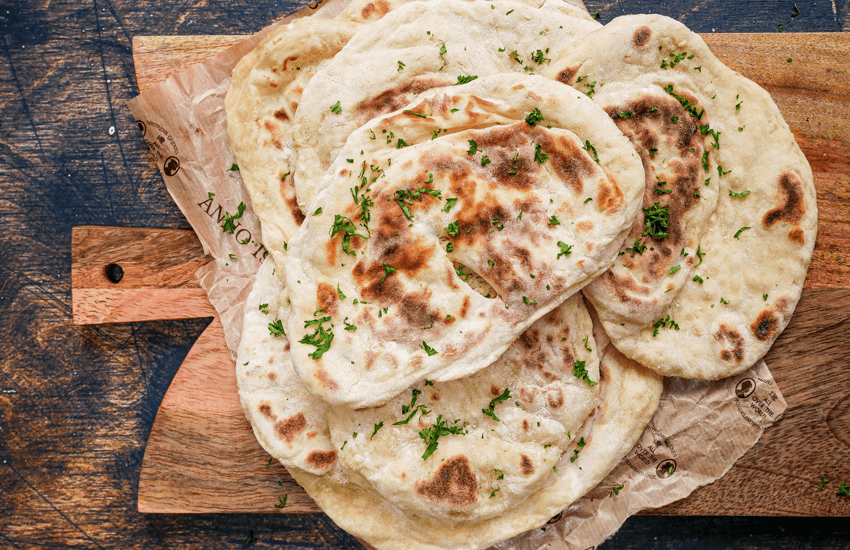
x=477 y=189
x=540 y=368
x=630 y=395
x=264 y=94
x=392 y=60
x=287 y=420
x=714 y=294
x=512 y=421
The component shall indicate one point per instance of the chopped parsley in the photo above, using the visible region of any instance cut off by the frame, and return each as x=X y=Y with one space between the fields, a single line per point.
x=738 y=195
x=616 y=490
x=346 y=226
x=489 y=411
x=339 y=292
x=638 y=247
x=422 y=115
x=378 y=426
x=687 y=105
x=764 y=297
x=700 y=254
x=229 y=226
x=539 y=156
x=663 y=323
x=534 y=117
x=674 y=269
x=738 y=233
x=401 y=143
x=440 y=428
x=320 y=338
x=553 y=220
x=452 y=228
x=318 y=211
x=538 y=57
x=400 y=65
x=566 y=249
x=723 y=301
x=592 y=89
x=233 y=166
x=465 y=79
x=627 y=114
x=473 y=147
x=449 y=203
x=276 y=329
x=281 y=501
x=656 y=218
x=349 y=326
x=335 y=108
x=698 y=279
x=580 y=372
x=493 y=492
x=823 y=482
x=264 y=308
x=387 y=271
x=485 y=160
x=428 y=349
x=580 y=444
x=843 y=490
x=591 y=149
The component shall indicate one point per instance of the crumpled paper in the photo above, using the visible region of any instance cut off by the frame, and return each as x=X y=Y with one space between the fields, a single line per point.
x=697 y=434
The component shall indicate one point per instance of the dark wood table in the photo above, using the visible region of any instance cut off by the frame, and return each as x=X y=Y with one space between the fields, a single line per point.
x=77 y=402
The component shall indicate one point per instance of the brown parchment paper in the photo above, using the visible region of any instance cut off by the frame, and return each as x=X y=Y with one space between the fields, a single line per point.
x=698 y=432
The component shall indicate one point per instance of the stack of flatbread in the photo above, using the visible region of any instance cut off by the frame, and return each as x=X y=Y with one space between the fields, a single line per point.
x=494 y=227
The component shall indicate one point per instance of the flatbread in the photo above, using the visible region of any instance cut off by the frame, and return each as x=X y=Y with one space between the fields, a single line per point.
x=287 y=420
x=265 y=91
x=629 y=398
x=513 y=421
x=536 y=220
x=390 y=61
x=710 y=305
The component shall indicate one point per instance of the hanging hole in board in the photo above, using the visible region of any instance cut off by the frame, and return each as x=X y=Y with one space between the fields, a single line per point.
x=114 y=273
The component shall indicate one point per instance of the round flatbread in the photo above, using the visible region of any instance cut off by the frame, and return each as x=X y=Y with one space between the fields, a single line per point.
x=630 y=395
x=714 y=268
x=265 y=91
x=420 y=45
x=287 y=420
x=498 y=178
x=471 y=448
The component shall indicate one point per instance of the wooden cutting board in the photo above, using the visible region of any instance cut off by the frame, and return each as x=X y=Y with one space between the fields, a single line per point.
x=202 y=457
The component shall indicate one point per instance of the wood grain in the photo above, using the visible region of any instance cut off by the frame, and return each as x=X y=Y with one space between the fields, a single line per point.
x=202 y=456
x=159 y=279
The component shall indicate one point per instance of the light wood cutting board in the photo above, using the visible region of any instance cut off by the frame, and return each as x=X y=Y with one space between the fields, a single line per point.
x=202 y=457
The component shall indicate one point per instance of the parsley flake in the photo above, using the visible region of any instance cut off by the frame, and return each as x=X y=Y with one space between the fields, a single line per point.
x=539 y=156
x=580 y=372
x=566 y=249
x=553 y=220
x=489 y=411
x=738 y=195
x=335 y=108
x=387 y=271
x=320 y=337
x=473 y=147
x=428 y=349
x=276 y=329
x=465 y=79
x=534 y=117
x=738 y=233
